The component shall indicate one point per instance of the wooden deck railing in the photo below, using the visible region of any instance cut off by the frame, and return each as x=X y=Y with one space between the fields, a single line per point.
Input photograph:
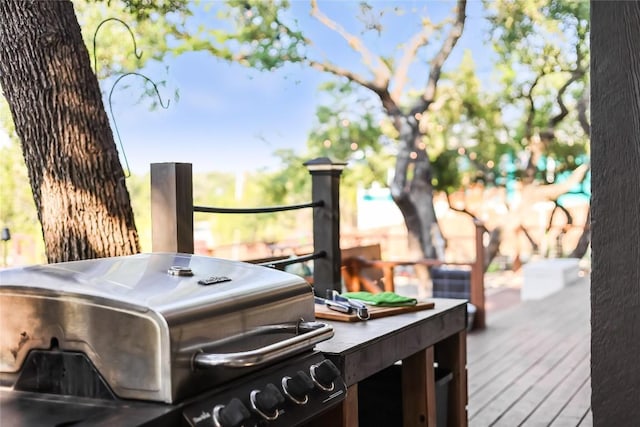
x=172 y=225
x=172 y=212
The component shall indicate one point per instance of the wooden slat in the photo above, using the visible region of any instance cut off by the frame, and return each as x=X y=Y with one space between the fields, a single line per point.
x=554 y=405
x=531 y=365
x=527 y=317
x=521 y=399
x=514 y=325
x=587 y=421
x=577 y=408
x=534 y=346
x=557 y=385
x=492 y=378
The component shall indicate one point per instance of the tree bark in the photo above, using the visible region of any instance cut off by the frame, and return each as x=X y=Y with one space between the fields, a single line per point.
x=54 y=96
x=412 y=191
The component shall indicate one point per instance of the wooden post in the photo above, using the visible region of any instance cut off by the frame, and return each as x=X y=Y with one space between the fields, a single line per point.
x=171 y=207
x=419 y=387
x=477 y=279
x=615 y=209
x=451 y=354
x=325 y=187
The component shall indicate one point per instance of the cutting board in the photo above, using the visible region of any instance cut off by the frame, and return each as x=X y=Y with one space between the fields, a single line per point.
x=322 y=312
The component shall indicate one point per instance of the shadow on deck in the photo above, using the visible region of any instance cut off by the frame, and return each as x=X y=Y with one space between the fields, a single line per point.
x=531 y=366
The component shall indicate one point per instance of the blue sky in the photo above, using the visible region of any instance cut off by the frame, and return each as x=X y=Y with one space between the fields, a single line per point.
x=230 y=118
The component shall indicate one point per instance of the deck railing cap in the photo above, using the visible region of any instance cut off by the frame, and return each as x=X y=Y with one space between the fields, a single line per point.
x=324 y=163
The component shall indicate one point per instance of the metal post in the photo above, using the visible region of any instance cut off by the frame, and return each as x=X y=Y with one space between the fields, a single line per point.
x=6 y=236
x=171 y=207
x=325 y=186
x=477 y=278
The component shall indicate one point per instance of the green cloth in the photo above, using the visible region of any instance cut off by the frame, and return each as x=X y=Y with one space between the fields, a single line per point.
x=382 y=299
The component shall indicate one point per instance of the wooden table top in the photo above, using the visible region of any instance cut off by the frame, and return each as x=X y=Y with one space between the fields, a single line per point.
x=360 y=349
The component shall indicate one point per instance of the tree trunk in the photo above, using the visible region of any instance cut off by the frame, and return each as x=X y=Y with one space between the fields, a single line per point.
x=412 y=191
x=74 y=170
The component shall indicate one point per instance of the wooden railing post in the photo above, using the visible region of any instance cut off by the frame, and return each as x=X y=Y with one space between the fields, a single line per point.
x=477 y=278
x=325 y=186
x=171 y=207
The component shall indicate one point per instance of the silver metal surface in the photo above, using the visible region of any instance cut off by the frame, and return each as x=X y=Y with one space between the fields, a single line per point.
x=312 y=335
x=142 y=326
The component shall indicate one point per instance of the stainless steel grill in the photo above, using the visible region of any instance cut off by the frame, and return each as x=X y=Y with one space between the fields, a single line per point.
x=167 y=329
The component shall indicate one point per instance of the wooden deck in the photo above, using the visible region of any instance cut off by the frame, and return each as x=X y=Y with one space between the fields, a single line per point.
x=531 y=366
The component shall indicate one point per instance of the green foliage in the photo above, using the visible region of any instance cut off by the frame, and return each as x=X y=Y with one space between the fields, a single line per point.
x=446 y=171
x=227 y=190
x=122 y=30
x=250 y=32
x=289 y=184
x=17 y=207
x=346 y=126
x=542 y=47
x=539 y=39
x=139 y=187
x=248 y=190
x=567 y=155
x=266 y=41
x=466 y=121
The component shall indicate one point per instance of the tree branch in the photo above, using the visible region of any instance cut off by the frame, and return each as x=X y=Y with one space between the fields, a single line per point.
x=409 y=54
x=583 y=104
x=435 y=66
x=387 y=102
x=380 y=70
x=332 y=68
x=575 y=76
x=550 y=192
x=565 y=211
x=528 y=132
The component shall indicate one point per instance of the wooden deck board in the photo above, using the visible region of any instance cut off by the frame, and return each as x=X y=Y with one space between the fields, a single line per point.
x=525 y=405
x=536 y=369
x=557 y=400
x=532 y=345
x=576 y=409
x=531 y=365
x=528 y=317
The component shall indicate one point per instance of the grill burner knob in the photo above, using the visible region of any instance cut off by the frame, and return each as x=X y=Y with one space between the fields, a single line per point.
x=233 y=414
x=265 y=402
x=297 y=387
x=324 y=373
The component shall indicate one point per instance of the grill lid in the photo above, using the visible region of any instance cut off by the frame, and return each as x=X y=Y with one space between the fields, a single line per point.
x=161 y=281
x=142 y=319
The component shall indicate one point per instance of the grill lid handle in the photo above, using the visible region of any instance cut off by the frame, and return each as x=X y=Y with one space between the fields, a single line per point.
x=311 y=333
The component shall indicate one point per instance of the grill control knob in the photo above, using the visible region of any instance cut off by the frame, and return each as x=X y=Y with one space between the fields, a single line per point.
x=233 y=414
x=297 y=387
x=266 y=402
x=323 y=374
